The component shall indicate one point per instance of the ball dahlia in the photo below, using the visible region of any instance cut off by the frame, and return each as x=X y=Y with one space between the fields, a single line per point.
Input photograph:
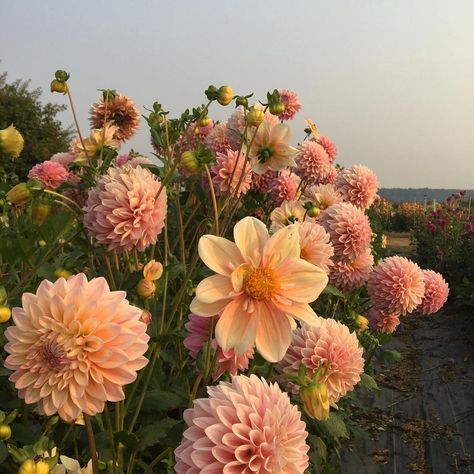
x=121 y=112
x=235 y=129
x=436 y=292
x=349 y=229
x=246 y=425
x=313 y=163
x=50 y=173
x=384 y=321
x=123 y=211
x=74 y=345
x=358 y=185
x=396 y=285
x=262 y=182
x=328 y=146
x=199 y=330
x=229 y=173
x=284 y=187
x=348 y=276
x=261 y=286
x=216 y=139
x=292 y=104
x=316 y=247
x=329 y=344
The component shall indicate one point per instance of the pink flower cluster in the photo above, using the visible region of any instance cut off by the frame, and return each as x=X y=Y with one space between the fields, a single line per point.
x=50 y=173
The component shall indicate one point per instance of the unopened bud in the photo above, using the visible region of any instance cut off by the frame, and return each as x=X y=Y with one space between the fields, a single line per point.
x=27 y=467
x=11 y=141
x=146 y=289
x=242 y=101
x=39 y=212
x=189 y=162
x=5 y=314
x=152 y=270
x=254 y=117
x=204 y=121
x=276 y=108
x=315 y=400
x=59 y=86
x=362 y=323
x=5 y=432
x=225 y=95
x=42 y=467
x=19 y=194
x=146 y=317
x=62 y=273
x=313 y=211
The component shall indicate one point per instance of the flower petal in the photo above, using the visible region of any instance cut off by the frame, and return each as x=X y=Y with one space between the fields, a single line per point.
x=282 y=245
x=207 y=309
x=300 y=311
x=219 y=254
x=214 y=288
x=250 y=236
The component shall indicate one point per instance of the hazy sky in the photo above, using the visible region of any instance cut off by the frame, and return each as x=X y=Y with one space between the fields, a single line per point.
x=391 y=82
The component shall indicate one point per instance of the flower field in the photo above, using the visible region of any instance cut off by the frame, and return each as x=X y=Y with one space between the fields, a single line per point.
x=213 y=307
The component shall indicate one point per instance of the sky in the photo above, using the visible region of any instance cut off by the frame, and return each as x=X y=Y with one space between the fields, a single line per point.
x=391 y=82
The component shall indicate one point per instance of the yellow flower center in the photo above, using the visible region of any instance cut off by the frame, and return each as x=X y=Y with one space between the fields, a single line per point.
x=261 y=283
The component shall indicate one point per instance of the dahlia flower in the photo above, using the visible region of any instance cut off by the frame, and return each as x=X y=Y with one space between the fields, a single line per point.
x=123 y=211
x=91 y=145
x=229 y=172
x=349 y=229
x=229 y=362
x=396 y=285
x=331 y=177
x=436 y=293
x=71 y=466
x=313 y=162
x=358 y=185
x=316 y=247
x=290 y=212
x=262 y=182
x=348 y=276
x=323 y=195
x=119 y=111
x=270 y=149
x=199 y=331
x=284 y=187
x=292 y=105
x=235 y=128
x=246 y=425
x=327 y=345
x=261 y=286
x=132 y=160
x=328 y=146
x=74 y=345
x=216 y=140
x=50 y=173
x=384 y=321
x=64 y=159
x=11 y=141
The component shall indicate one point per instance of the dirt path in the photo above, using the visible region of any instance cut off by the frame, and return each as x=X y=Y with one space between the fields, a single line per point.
x=423 y=421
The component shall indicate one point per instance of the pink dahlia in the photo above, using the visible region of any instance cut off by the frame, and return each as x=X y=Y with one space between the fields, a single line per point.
x=331 y=177
x=216 y=140
x=235 y=129
x=229 y=172
x=349 y=229
x=348 y=276
x=312 y=161
x=384 y=321
x=436 y=292
x=245 y=426
x=74 y=345
x=316 y=247
x=323 y=195
x=284 y=186
x=131 y=160
x=328 y=146
x=262 y=182
x=292 y=105
x=199 y=331
x=123 y=211
x=396 y=285
x=119 y=111
x=327 y=345
x=51 y=174
x=261 y=286
x=230 y=362
x=64 y=159
x=358 y=185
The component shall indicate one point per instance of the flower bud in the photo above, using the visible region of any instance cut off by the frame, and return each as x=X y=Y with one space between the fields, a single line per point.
x=58 y=86
x=204 y=121
x=189 y=162
x=5 y=314
x=62 y=273
x=225 y=95
x=5 y=432
x=42 y=467
x=40 y=212
x=27 y=467
x=11 y=141
x=362 y=323
x=276 y=108
x=315 y=400
x=313 y=211
x=146 y=317
x=146 y=289
x=19 y=194
x=254 y=117
x=242 y=101
x=61 y=75
x=153 y=270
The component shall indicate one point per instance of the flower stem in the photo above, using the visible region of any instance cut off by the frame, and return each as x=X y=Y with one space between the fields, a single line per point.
x=214 y=201
x=73 y=110
x=92 y=446
x=111 y=437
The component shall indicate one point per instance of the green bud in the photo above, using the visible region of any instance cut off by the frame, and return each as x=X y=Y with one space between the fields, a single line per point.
x=61 y=75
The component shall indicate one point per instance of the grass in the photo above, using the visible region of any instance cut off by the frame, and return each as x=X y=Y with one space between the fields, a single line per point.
x=400 y=242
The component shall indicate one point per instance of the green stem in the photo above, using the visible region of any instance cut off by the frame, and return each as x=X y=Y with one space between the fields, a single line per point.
x=111 y=437
x=92 y=446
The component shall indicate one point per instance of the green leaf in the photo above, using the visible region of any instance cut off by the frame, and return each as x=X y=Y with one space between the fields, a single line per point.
x=3 y=295
x=152 y=434
x=391 y=354
x=3 y=452
x=18 y=455
x=368 y=382
x=334 y=426
x=129 y=440
x=332 y=290
x=160 y=400
x=317 y=452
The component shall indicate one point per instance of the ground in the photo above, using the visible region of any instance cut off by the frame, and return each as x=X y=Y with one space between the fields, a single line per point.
x=423 y=420
x=400 y=242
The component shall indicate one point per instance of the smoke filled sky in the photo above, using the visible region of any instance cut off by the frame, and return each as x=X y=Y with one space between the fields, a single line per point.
x=391 y=82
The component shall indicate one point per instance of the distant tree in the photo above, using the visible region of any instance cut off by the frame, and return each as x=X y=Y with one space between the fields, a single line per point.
x=44 y=134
